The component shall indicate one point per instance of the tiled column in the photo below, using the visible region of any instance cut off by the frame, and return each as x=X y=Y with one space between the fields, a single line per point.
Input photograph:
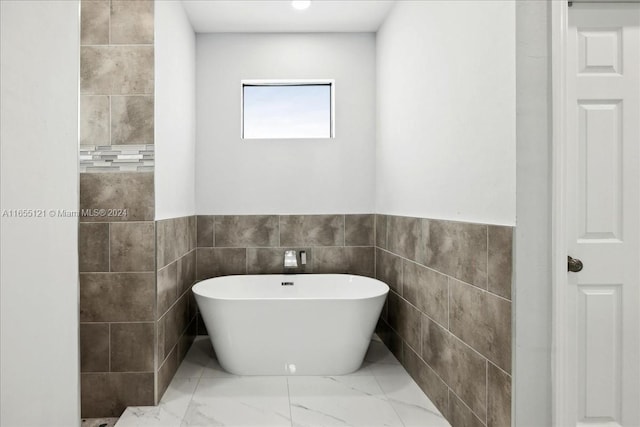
x=117 y=234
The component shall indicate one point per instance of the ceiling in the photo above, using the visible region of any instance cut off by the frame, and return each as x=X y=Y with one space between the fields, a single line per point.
x=277 y=16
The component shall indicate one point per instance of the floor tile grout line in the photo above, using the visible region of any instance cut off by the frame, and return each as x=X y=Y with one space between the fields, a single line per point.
x=195 y=389
x=375 y=377
x=289 y=399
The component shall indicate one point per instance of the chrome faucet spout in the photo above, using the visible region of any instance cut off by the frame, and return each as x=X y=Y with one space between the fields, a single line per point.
x=290 y=259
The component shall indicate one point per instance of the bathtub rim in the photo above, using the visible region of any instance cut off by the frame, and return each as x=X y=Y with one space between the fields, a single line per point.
x=383 y=292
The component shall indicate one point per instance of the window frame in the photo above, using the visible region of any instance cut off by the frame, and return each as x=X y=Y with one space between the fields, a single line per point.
x=291 y=82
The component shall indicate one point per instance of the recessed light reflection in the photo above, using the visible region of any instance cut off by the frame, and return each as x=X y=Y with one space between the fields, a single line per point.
x=301 y=4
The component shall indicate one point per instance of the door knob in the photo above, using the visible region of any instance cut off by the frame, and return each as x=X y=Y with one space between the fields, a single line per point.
x=574 y=264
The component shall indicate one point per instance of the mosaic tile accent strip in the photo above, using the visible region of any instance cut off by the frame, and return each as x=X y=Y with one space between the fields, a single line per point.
x=117 y=158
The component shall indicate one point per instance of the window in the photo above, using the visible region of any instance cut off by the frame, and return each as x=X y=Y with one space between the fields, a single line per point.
x=287 y=109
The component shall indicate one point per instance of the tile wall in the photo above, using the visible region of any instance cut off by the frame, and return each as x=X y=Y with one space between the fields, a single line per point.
x=117 y=229
x=176 y=307
x=448 y=314
x=117 y=293
x=255 y=244
x=116 y=86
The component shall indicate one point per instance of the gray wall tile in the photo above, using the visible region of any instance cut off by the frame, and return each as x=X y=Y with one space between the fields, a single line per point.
x=175 y=322
x=460 y=415
x=132 y=246
x=191 y=226
x=390 y=338
x=404 y=237
x=117 y=297
x=93 y=247
x=132 y=120
x=109 y=394
x=107 y=70
x=173 y=240
x=167 y=287
x=426 y=379
x=459 y=250
x=405 y=320
x=381 y=231
x=132 y=347
x=500 y=260
x=94 y=347
x=359 y=230
x=389 y=270
x=214 y=262
x=166 y=372
x=474 y=253
x=160 y=338
x=94 y=120
x=116 y=70
x=312 y=230
x=205 y=231
x=131 y=191
x=131 y=22
x=246 y=230
x=483 y=321
x=428 y=290
x=94 y=22
x=459 y=366
x=349 y=260
x=499 y=398
x=186 y=273
x=187 y=339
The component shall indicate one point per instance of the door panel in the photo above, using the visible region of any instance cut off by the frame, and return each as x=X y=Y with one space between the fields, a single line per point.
x=603 y=215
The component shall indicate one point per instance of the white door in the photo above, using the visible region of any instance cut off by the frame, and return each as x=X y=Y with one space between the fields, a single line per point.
x=603 y=217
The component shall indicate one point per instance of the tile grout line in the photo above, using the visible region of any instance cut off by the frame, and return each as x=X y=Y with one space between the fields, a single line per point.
x=486 y=393
x=109 y=245
x=344 y=230
x=108 y=23
x=464 y=403
x=195 y=389
x=109 y=346
x=442 y=274
x=375 y=378
x=289 y=399
x=487 y=264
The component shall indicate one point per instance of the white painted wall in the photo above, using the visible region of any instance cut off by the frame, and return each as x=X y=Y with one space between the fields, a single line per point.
x=446 y=111
x=39 y=366
x=532 y=301
x=175 y=111
x=285 y=176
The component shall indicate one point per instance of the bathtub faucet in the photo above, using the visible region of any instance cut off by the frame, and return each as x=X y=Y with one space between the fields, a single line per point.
x=291 y=259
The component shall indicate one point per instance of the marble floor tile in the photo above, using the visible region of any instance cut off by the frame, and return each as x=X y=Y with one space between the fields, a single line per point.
x=239 y=401
x=407 y=399
x=170 y=411
x=355 y=401
x=380 y=393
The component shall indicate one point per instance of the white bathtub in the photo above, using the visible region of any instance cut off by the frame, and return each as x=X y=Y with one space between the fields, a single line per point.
x=320 y=325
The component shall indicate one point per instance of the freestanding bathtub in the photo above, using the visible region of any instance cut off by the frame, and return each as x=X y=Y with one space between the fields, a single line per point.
x=306 y=324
